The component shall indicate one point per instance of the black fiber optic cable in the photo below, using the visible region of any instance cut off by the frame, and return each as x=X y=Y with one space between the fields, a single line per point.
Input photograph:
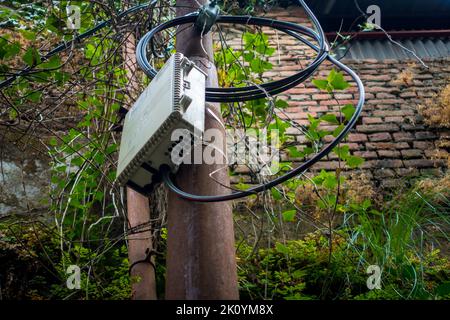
x=236 y=94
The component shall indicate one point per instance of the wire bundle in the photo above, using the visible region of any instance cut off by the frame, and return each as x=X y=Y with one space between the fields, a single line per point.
x=240 y=94
x=228 y=95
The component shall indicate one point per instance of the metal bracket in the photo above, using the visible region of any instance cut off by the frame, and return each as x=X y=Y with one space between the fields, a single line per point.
x=207 y=16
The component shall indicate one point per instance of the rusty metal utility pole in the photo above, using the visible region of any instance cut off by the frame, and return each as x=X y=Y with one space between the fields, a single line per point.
x=138 y=209
x=201 y=260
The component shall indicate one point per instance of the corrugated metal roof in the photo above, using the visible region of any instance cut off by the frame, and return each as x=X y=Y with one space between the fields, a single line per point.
x=395 y=14
x=385 y=49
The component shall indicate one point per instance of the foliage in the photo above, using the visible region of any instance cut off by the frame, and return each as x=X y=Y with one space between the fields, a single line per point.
x=400 y=236
x=33 y=267
x=352 y=229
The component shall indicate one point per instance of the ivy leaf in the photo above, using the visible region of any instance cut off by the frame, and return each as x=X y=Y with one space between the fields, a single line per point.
x=110 y=149
x=337 y=81
x=12 y=50
x=320 y=84
x=342 y=152
x=249 y=56
x=281 y=104
x=294 y=153
x=338 y=130
x=31 y=57
x=53 y=63
x=289 y=216
x=281 y=248
x=61 y=77
x=354 y=161
x=276 y=194
x=35 y=96
x=29 y=35
x=53 y=142
x=330 y=182
x=348 y=110
x=331 y=118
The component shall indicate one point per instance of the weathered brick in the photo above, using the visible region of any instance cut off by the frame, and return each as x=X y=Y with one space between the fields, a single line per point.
x=408 y=94
x=386 y=145
x=393 y=113
x=379 y=137
x=394 y=119
x=388 y=153
x=377 y=128
x=391 y=183
x=431 y=172
x=377 y=78
x=384 y=173
x=412 y=153
x=366 y=154
x=425 y=135
x=326 y=165
x=423 y=145
x=407 y=172
x=385 y=101
x=321 y=97
x=403 y=136
x=371 y=120
x=412 y=127
x=374 y=164
x=384 y=95
x=357 y=137
x=422 y=163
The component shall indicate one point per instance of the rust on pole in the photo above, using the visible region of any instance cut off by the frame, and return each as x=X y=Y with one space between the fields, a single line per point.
x=142 y=273
x=201 y=261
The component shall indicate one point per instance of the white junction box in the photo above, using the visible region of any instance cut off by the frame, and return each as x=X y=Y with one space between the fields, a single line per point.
x=175 y=99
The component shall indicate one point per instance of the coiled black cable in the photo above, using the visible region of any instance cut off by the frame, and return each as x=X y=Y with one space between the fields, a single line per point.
x=236 y=94
x=253 y=92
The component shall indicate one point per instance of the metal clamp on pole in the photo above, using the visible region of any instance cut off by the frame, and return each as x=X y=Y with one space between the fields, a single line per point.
x=207 y=16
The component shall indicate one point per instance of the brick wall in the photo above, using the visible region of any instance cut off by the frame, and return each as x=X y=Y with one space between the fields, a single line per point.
x=391 y=134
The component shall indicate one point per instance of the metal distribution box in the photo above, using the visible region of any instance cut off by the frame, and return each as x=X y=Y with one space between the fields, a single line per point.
x=175 y=99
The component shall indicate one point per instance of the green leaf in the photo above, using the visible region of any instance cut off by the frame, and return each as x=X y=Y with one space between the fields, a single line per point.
x=249 y=56
x=342 y=152
x=289 y=216
x=31 y=57
x=29 y=35
x=348 y=110
x=354 y=161
x=331 y=118
x=320 y=84
x=53 y=142
x=61 y=77
x=77 y=161
x=294 y=153
x=35 y=96
x=443 y=289
x=110 y=149
x=276 y=194
x=330 y=182
x=12 y=50
x=281 y=248
x=337 y=81
x=338 y=130
x=53 y=63
x=281 y=104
